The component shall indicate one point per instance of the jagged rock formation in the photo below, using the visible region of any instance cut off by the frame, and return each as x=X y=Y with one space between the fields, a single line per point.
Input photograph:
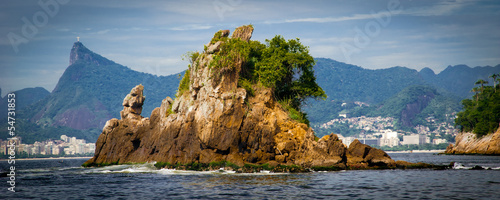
x=468 y=143
x=132 y=104
x=215 y=120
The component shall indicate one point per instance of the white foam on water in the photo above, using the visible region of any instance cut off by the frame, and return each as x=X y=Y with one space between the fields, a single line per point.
x=126 y=168
x=37 y=170
x=150 y=168
x=460 y=166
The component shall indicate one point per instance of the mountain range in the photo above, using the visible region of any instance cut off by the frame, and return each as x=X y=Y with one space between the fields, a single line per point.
x=90 y=91
x=345 y=83
x=88 y=94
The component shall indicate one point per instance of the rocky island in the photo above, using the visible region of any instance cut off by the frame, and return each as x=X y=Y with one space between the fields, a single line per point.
x=218 y=120
x=469 y=143
x=479 y=121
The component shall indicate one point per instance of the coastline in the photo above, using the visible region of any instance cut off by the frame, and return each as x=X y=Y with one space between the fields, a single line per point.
x=417 y=151
x=51 y=158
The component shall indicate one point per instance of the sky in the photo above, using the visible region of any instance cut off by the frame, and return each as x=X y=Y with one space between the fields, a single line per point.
x=36 y=36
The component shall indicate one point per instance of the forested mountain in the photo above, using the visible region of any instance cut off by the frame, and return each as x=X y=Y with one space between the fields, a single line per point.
x=413 y=104
x=88 y=94
x=345 y=83
x=352 y=83
x=459 y=79
x=23 y=98
x=91 y=90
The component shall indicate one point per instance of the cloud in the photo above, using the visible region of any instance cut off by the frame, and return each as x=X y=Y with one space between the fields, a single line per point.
x=103 y=31
x=438 y=9
x=191 y=27
x=340 y=19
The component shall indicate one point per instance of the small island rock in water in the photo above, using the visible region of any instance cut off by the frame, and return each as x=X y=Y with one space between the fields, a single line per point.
x=212 y=120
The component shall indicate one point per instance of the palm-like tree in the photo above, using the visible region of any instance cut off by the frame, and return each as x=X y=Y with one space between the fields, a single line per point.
x=494 y=76
x=476 y=90
x=482 y=82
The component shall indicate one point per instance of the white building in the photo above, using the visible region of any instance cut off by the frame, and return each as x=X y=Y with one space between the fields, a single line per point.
x=415 y=139
x=439 y=141
x=69 y=150
x=388 y=138
x=72 y=140
x=89 y=148
x=56 y=150
x=80 y=141
x=64 y=138
x=346 y=140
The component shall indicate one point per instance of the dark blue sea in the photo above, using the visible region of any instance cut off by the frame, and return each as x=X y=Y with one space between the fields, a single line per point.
x=53 y=179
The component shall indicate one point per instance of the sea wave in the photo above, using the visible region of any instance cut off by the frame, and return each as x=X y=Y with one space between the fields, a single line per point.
x=460 y=166
x=150 y=168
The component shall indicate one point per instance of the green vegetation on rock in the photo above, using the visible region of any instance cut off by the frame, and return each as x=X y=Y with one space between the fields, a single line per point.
x=184 y=84
x=216 y=165
x=284 y=65
x=481 y=114
x=288 y=67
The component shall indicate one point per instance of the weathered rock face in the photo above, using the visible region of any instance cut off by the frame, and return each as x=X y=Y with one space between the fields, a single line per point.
x=468 y=143
x=215 y=121
x=364 y=156
x=132 y=104
x=413 y=109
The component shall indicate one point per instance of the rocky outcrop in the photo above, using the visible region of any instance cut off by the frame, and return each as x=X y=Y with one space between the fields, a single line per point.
x=468 y=143
x=215 y=120
x=364 y=156
x=132 y=104
x=81 y=53
x=411 y=110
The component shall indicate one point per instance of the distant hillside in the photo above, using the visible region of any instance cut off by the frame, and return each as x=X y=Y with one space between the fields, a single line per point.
x=91 y=90
x=24 y=97
x=88 y=94
x=345 y=83
x=459 y=79
x=352 y=83
x=413 y=104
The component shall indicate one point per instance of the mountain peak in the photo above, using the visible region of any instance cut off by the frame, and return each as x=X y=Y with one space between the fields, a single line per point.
x=427 y=71
x=80 y=53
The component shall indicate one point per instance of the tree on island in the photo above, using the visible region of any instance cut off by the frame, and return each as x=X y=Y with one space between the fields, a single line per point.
x=475 y=91
x=494 y=77
x=482 y=116
x=481 y=82
x=285 y=66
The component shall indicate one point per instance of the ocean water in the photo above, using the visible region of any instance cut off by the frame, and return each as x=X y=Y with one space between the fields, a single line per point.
x=52 y=179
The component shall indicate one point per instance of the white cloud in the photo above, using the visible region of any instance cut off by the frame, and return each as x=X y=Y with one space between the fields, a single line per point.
x=103 y=31
x=340 y=19
x=191 y=27
x=438 y=9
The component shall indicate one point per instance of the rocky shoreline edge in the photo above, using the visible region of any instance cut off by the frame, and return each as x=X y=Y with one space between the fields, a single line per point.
x=468 y=144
